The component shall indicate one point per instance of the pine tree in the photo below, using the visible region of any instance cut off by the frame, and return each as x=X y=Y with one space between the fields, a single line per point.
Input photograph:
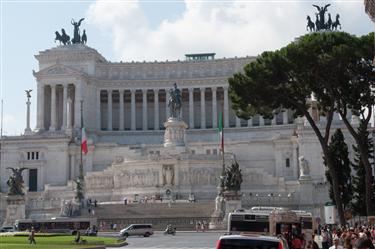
x=358 y=179
x=338 y=150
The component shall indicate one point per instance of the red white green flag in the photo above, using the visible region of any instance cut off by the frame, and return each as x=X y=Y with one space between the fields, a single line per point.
x=84 y=142
x=221 y=131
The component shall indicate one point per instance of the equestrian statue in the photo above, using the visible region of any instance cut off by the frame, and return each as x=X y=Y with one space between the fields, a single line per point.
x=320 y=23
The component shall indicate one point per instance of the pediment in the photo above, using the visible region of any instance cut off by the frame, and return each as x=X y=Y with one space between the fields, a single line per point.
x=59 y=70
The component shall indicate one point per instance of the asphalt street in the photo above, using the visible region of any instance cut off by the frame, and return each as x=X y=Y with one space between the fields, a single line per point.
x=182 y=240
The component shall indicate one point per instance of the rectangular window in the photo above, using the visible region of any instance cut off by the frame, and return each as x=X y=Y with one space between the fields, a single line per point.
x=214 y=151
x=28 y=155
x=287 y=162
x=208 y=152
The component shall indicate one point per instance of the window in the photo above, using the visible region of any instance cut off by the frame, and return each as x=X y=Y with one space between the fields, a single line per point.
x=287 y=162
x=208 y=152
x=33 y=155
x=214 y=151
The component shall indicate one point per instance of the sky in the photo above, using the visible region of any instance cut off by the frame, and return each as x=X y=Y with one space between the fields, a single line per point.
x=148 y=31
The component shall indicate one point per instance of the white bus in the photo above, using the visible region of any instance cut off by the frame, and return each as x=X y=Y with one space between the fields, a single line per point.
x=57 y=224
x=271 y=221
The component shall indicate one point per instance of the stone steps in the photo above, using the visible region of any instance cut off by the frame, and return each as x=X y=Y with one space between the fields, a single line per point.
x=154 y=210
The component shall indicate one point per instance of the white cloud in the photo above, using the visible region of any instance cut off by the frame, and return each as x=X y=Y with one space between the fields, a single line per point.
x=235 y=28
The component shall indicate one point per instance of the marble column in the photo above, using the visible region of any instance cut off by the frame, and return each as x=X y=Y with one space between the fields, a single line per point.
x=156 y=109
x=191 y=108
x=121 y=116
x=250 y=122
x=28 y=129
x=226 y=107
x=132 y=107
x=273 y=121
x=98 y=110
x=238 y=122
x=40 y=109
x=65 y=101
x=166 y=104
x=203 y=108
x=214 y=107
x=69 y=114
x=144 y=109
x=285 y=117
x=53 y=108
x=77 y=106
x=261 y=121
x=109 y=110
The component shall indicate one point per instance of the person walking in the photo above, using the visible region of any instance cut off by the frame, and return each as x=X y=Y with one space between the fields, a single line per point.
x=32 y=236
x=336 y=244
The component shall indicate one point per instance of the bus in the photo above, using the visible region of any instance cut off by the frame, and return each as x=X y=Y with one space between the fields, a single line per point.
x=57 y=224
x=271 y=221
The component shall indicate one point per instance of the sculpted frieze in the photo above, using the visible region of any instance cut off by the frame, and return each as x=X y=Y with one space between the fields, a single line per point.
x=137 y=178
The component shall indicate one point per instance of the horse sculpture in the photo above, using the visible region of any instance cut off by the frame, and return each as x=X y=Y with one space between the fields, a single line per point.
x=63 y=38
x=336 y=23
x=329 y=22
x=84 y=37
x=174 y=102
x=310 y=24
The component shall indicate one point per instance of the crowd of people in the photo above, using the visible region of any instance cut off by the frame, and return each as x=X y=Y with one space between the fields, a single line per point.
x=362 y=237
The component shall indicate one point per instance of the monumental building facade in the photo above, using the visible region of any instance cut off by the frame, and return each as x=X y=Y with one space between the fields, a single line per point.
x=123 y=107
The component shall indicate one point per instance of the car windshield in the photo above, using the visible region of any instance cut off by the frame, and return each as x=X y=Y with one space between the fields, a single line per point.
x=247 y=244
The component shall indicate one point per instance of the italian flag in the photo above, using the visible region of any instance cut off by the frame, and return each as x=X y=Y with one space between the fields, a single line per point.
x=221 y=131
x=84 y=142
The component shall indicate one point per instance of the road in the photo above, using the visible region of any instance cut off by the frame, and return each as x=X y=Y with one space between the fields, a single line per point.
x=182 y=240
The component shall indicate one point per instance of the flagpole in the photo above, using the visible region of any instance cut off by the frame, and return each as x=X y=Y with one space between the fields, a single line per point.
x=81 y=163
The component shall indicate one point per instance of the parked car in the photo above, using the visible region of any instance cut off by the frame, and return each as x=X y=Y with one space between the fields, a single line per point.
x=7 y=229
x=137 y=229
x=251 y=241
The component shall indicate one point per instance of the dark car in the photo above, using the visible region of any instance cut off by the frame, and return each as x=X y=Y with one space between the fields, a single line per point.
x=244 y=241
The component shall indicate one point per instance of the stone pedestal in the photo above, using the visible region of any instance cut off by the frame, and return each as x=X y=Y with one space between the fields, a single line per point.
x=15 y=209
x=232 y=202
x=216 y=220
x=306 y=190
x=175 y=131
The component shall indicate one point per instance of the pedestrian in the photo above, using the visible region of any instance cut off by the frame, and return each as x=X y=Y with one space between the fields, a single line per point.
x=325 y=239
x=32 y=236
x=95 y=203
x=363 y=243
x=89 y=210
x=296 y=242
x=198 y=226
x=77 y=239
x=114 y=226
x=336 y=244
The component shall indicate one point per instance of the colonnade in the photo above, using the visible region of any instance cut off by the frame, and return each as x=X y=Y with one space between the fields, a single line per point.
x=58 y=107
x=158 y=94
x=133 y=108
x=202 y=103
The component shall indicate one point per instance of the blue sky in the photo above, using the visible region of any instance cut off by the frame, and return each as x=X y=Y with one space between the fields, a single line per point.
x=149 y=30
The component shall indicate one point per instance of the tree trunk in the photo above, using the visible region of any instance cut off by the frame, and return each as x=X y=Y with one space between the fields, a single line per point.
x=324 y=144
x=362 y=147
x=335 y=186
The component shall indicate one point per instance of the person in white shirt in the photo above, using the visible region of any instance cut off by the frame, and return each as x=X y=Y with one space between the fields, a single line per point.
x=336 y=244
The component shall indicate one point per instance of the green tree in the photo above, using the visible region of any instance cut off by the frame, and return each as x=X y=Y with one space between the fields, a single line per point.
x=355 y=93
x=338 y=150
x=286 y=78
x=359 y=176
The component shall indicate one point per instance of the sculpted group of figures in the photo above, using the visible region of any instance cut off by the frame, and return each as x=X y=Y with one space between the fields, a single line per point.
x=320 y=23
x=77 y=38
